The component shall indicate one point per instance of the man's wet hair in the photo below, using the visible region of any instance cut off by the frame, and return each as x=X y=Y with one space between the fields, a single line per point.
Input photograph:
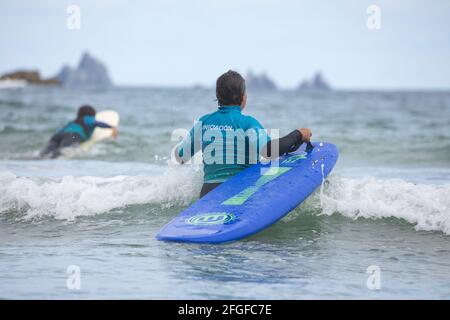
x=230 y=89
x=86 y=110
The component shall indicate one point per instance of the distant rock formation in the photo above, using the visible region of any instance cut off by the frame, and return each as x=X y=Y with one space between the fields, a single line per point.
x=316 y=83
x=259 y=82
x=31 y=77
x=89 y=73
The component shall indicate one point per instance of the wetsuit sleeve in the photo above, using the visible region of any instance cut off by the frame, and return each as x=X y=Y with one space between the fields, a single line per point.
x=102 y=124
x=287 y=144
x=190 y=145
x=91 y=122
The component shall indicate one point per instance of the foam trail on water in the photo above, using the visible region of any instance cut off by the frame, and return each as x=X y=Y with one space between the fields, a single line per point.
x=425 y=206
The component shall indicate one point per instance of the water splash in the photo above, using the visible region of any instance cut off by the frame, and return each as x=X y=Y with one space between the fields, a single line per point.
x=322 y=166
x=426 y=206
x=70 y=197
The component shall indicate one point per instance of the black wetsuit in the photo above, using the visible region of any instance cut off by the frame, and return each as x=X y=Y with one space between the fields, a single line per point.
x=287 y=144
x=60 y=141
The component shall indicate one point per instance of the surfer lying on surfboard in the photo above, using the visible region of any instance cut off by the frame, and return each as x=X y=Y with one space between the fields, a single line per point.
x=75 y=132
x=222 y=163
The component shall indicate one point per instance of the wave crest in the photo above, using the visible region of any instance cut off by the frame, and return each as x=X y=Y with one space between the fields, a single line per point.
x=425 y=206
x=71 y=197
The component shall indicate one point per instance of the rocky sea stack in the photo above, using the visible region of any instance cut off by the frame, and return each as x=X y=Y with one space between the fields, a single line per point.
x=317 y=83
x=259 y=82
x=89 y=73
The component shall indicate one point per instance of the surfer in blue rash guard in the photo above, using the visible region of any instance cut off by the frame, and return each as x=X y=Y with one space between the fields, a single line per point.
x=75 y=132
x=214 y=127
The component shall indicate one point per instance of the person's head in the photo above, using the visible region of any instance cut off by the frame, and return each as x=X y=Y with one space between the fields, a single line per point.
x=230 y=89
x=85 y=110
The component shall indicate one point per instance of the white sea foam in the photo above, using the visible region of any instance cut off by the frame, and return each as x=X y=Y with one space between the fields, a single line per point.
x=425 y=206
x=70 y=196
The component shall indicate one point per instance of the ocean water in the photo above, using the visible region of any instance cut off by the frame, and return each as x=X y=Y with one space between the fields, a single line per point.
x=386 y=207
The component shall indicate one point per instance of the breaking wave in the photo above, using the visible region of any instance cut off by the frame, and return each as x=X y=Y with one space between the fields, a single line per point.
x=426 y=206
x=70 y=197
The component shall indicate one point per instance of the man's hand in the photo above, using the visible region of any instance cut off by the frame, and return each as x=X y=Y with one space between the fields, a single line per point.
x=177 y=157
x=306 y=134
x=114 y=132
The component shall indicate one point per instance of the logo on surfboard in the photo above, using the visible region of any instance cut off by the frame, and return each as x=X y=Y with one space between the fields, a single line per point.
x=211 y=218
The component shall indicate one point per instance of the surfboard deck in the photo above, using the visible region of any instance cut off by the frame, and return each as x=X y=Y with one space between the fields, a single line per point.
x=253 y=199
x=107 y=116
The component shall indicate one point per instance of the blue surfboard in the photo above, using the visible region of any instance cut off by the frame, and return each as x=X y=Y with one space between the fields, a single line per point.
x=253 y=199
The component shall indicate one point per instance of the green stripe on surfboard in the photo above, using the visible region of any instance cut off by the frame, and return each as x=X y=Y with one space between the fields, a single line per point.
x=268 y=176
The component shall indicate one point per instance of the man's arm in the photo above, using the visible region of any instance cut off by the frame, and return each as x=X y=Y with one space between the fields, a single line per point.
x=102 y=125
x=190 y=145
x=177 y=156
x=106 y=126
x=287 y=144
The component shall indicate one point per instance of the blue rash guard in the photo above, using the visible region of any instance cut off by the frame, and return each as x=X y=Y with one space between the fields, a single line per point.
x=229 y=140
x=84 y=132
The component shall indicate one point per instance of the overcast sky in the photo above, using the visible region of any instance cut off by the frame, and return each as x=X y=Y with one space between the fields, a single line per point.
x=185 y=42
